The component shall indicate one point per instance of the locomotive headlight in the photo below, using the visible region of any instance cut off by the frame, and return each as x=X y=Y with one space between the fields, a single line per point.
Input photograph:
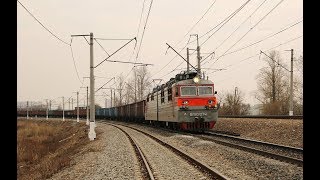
x=196 y=79
x=185 y=102
x=210 y=101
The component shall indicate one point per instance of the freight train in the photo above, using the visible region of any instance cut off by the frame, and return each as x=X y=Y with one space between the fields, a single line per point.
x=53 y=113
x=185 y=102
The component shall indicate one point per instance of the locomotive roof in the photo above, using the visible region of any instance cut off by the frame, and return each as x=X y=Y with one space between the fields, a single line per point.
x=190 y=81
x=180 y=79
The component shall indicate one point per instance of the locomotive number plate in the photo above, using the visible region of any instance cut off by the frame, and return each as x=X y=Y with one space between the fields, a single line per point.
x=198 y=114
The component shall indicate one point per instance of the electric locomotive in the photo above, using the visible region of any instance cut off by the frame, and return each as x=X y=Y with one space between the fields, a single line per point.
x=186 y=102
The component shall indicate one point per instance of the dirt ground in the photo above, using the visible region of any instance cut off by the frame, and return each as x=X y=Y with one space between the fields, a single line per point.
x=45 y=147
x=287 y=132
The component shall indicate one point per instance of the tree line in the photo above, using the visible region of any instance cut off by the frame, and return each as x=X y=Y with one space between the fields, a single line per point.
x=273 y=89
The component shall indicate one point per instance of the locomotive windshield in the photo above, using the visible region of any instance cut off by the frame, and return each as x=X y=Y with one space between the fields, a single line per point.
x=196 y=90
x=188 y=91
x=205 y=90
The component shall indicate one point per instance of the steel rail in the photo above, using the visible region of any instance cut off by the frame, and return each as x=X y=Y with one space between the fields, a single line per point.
x=296 y=117
x=288 y=159
x=139 y=153
x=203 y=168
x=279 y=146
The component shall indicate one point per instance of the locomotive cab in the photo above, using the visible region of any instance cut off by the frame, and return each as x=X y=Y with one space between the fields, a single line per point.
x=196 y=104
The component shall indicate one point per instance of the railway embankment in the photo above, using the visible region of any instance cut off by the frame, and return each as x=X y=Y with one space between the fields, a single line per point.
x=280 y=131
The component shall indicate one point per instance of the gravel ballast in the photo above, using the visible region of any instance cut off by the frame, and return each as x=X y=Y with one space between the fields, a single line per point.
x=109 y=156
x=233 y=163
x=164 y=163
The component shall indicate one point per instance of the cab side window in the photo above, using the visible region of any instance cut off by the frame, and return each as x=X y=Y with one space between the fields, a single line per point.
x=162 y=95
x=170 y=94
x=177 y=91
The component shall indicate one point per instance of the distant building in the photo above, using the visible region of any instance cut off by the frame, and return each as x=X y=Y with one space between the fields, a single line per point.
x=256 y=109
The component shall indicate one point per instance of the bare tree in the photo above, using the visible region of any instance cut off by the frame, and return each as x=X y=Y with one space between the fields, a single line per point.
x=129 y=95
x=273 y=86
x=233 y=104
x=131 y=88
x=298 y=85
x=143 y=80
x=38 y=106
x=120 y=88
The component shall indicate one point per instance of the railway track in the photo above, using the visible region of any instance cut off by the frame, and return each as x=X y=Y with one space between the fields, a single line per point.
x=146 y=171
x=208 y=171
x=296 y=117
x=275 y=151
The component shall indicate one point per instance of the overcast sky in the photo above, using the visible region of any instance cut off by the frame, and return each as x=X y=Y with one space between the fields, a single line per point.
x=46 y=70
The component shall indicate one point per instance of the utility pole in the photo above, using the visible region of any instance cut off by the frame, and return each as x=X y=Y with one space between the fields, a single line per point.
x=47 y=109
x=27 y=109
x=198 y=56
x=111 y=99
x=188 y=68
x=63 y=108
x=71 y=103
x=77 y=106
x=157 y=96
x=235 y=91
x=291 y=87
x=92 y=133
x=234 y=100
x=87 y=108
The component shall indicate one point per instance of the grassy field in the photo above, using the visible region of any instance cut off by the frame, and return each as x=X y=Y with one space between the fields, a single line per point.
x=45 y=147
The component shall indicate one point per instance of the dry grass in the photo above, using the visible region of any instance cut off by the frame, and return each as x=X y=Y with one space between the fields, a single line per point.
x=281 y=131
x=45 y=147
